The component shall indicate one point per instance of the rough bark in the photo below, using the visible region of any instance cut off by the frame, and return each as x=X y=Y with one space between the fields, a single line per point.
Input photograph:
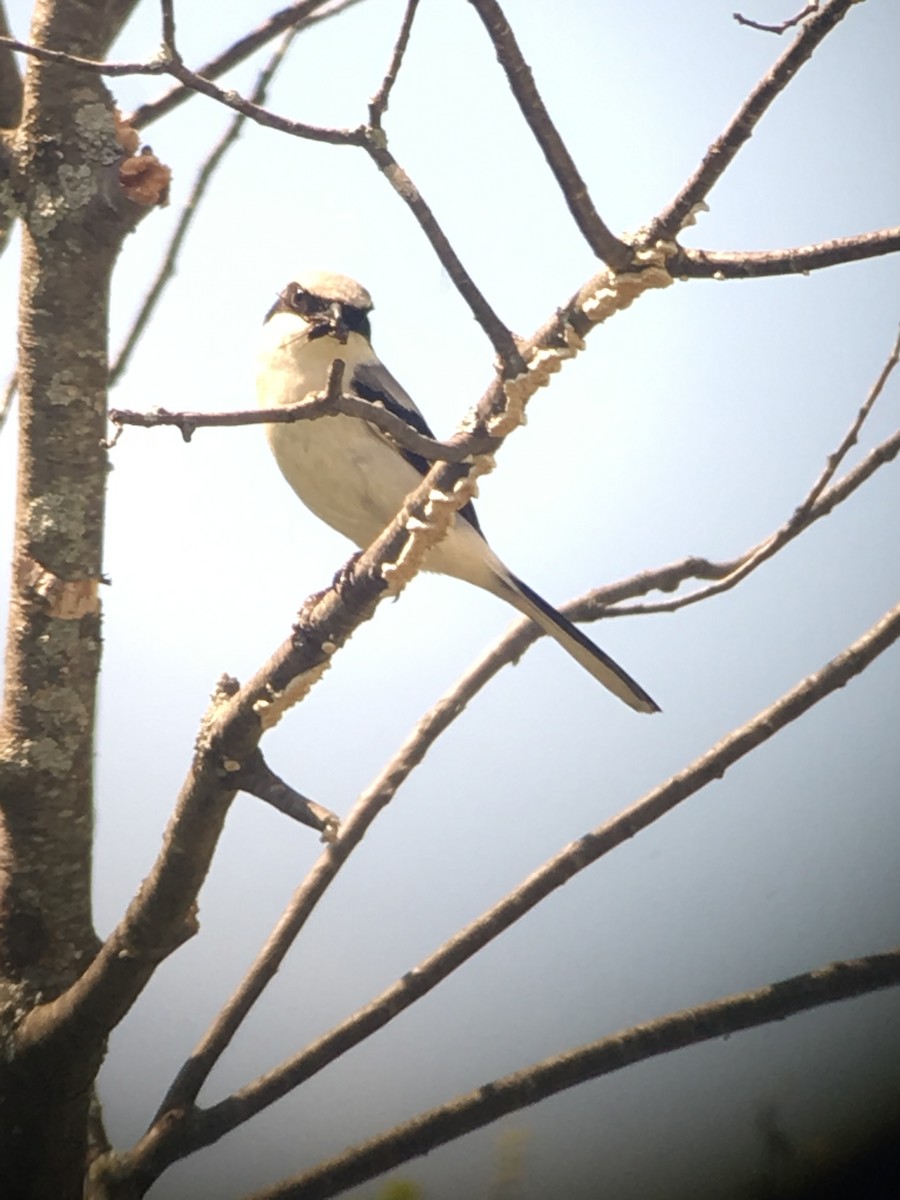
x=64 y=182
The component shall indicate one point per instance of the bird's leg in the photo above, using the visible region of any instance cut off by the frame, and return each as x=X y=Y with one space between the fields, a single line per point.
x=344 y=576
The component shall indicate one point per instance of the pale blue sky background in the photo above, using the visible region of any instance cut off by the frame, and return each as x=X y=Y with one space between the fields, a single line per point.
x=694 y=424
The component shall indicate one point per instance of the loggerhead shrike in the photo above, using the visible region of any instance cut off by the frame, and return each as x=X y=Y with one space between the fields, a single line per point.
x=352 y=476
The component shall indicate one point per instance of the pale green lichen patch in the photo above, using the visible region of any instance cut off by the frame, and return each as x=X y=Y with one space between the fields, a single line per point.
x=76 y=188
x=96 y=130
x=57 y=515
x=62 y=389
x=48 y=754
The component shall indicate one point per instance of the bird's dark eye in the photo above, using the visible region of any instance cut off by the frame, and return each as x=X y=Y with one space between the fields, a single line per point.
x=297 y=299
x=304 y=302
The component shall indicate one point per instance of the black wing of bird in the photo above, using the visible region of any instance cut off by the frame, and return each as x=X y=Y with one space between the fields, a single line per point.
x=374 y=382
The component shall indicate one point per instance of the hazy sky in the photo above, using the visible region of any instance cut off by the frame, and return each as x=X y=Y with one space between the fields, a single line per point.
x=693 y=424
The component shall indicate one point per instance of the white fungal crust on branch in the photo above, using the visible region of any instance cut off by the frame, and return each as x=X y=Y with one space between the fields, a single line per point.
x=618 y=292
x=613 y=293
x=424 y=533
x=271 y=708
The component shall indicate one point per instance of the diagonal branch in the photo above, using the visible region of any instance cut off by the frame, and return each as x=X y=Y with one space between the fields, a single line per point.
x=161 y=915
x=182 y=1131
x=723 y=150
x=501 y=339
x=184 y=1090
x=602 y=241
x=721 y=1018
x=819 y=502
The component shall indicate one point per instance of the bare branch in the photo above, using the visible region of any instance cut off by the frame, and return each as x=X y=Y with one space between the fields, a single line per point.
x=601 y=240
x=849 y=440
x=501 y=339
x=379 y=102
x=691 y=1027
x=784 y=25
x=171 y=64
x=262 y=116
x=183 y=1131
x=302 y=15
x=201 y=183
x=724 y=149
x=818 y=503
x=255 y=777
x=94 y=65
x=836 y=982
x=755 y=264
x=312 y=408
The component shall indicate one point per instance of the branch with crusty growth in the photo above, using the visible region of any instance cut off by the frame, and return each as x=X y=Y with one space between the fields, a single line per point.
x=186 y=1086
x=181 y=1128
x=371 y=138
x=161 y=916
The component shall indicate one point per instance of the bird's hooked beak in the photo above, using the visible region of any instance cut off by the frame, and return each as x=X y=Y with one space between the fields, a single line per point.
x=329 y=323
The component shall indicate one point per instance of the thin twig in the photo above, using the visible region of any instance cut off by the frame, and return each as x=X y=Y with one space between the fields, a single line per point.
x=187 y=1129
x=842 y=980
x=379 y=102
x=172 y=65
x=849 y=439
x=721 y=153
x=756 y=264
x=599 y=237
x=262 y=116
x=500 y=337
x=157 y=66
x=819 y=501
x=201 y=183
x=301 y=16
x=312 y=408
x=783 y=25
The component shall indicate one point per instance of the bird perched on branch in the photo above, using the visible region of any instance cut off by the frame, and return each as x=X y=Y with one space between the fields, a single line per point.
x=355 y=478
